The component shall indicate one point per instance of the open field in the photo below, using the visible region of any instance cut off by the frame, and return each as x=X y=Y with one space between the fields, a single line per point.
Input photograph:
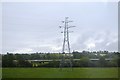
x=56 y=73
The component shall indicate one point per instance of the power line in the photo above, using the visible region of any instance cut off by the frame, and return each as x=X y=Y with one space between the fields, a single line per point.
x=66 y=60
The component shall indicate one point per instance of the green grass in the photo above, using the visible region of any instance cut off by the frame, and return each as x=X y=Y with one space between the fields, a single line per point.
x=56 y=73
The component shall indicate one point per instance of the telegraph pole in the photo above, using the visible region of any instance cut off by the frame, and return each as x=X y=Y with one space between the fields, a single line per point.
x=66 y=60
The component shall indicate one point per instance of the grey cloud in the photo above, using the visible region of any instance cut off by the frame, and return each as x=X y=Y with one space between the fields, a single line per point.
x=99 y=39
x=34 y=26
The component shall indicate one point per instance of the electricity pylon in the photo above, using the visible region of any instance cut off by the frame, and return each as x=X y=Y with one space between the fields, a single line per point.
x=66 y=60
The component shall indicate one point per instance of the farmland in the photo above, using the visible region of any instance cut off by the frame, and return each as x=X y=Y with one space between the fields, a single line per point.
x=56 y=73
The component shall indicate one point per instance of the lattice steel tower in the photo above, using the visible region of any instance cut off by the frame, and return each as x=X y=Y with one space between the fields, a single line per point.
x=66 y=59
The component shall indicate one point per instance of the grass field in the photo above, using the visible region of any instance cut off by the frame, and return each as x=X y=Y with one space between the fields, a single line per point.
x=56 y=73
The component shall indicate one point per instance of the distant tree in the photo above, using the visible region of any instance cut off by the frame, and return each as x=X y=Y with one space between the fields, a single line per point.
x=102 y=62
x=84 y=62
x=7 y=60
x=118 y=59
x=23 y=63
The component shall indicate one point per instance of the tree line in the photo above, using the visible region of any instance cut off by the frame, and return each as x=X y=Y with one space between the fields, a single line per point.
x=83 y=59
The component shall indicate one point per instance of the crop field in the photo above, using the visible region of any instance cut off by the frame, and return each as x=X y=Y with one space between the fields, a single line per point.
x=57 y=73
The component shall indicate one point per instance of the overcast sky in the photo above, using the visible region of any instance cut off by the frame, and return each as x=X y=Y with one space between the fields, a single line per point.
x=34 y=27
